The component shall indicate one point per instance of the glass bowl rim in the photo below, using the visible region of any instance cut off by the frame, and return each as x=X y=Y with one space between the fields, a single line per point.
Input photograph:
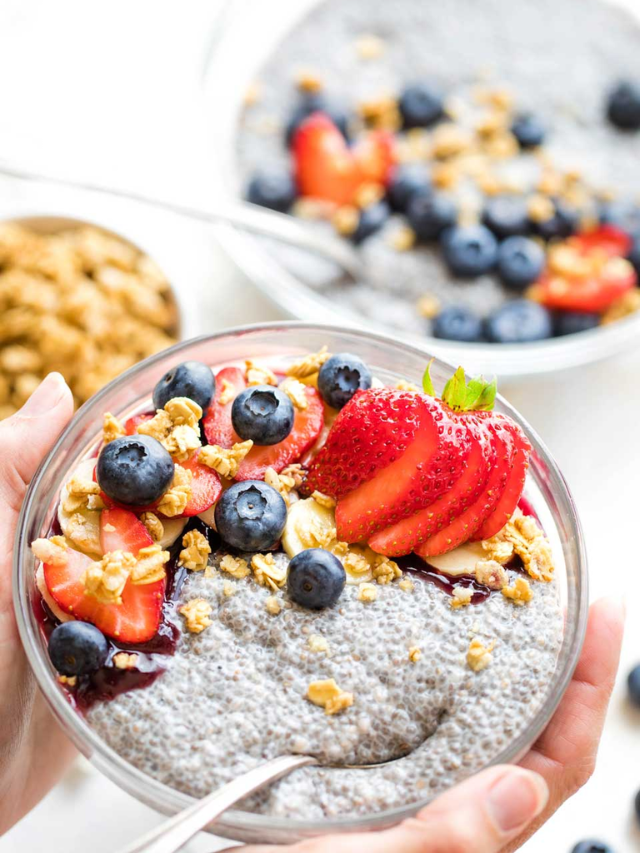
x=166 y=799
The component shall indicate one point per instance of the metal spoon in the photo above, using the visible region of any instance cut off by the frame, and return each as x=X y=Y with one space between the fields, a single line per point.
x=251 y=217
x=177 y=831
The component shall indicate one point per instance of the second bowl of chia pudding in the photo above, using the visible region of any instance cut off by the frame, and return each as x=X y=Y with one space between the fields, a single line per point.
x=295 y=539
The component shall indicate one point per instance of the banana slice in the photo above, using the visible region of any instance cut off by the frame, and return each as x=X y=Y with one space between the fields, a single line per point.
x=311 y=525
x=173 y=527
x=460 y=561
x=208 y=516
x=84 y=533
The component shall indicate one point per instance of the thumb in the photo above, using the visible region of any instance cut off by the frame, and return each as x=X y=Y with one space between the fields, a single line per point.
x=27 y=436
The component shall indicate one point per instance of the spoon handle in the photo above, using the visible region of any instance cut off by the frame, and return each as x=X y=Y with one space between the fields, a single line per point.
x=175 y=832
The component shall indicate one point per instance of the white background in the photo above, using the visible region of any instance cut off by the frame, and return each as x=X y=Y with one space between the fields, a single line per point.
x=111 y=91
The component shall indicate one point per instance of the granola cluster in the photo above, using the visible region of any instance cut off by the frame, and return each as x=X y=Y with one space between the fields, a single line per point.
x=226 y=461
x=176 y=427
x=81 y=302
x=522 y=537
x=106 y=579
x=329 y=696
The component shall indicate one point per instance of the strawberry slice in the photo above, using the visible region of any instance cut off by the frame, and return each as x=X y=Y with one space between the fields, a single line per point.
x=430 y=465
x=206 y=487
x=132 y=424
x=611 y=241
x=464 y=526
x=369 y=433
x=218 y=428
x=307 y=426
x=134 y=621
x=326 y=168
x=515 y=484
x=406 y=535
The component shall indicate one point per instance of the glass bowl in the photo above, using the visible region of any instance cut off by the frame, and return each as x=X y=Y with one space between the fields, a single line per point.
x=289 y=277
x=129 y=393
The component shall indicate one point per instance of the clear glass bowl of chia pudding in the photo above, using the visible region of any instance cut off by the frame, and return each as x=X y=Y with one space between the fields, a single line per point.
x=432 y=663
x=353 y=61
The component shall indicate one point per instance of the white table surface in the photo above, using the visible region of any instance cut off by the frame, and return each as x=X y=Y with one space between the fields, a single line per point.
x=110 y=91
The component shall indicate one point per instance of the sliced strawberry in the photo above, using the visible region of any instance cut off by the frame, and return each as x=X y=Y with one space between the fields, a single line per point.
x=515 y=484
x=375 y=157
x=122 y=530
x=132 y=424
x=370 y=433
x=593 y=294
x=611 y=241
x=206 y=487
x=464 y=526
x=406 y=535
x=218 y=428
x=134 y=621
x=430 y=465
x=307 y=426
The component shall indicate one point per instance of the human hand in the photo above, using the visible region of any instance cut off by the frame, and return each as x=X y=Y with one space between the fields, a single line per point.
x=33 y=750
x=497 y=810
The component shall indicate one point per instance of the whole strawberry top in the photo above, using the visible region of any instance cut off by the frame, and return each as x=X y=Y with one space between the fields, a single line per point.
x=411 y=472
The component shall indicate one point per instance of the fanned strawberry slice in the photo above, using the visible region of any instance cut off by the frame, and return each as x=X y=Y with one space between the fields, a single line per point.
x=134 y=621
x=515 y=484
x=206 y=487
x=408 y=534
x=132 y=424
x=370 y=433
x=465 y=525
x=307 y=426
x=429 y=466
x=218 y=428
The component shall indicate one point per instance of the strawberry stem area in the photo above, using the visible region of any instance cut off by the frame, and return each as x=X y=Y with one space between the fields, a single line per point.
x=475 y=395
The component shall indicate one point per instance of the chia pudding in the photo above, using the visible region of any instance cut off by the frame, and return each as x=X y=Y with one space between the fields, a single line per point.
x=571 y=171
x=235 y=616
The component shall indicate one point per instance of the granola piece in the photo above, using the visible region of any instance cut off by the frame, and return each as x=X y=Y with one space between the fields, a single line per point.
x=174 y=501
x=235 y=566
x=491 y=574
x=428 y=306
x=402 y=239
x=176 y=427
x=324 y=500
x=461 y=597
x=367 y=592
x=112 y=428
x=522 y=536
x=381 y=113
x=406 y=585
x=228 y=589
x=295 y=391
x=149 y=566
x=227 y=392
x=624 y=306
x=155 y=527
x=51 y=551
x=105 y=579
x=267 y=572
x=76 y=494
x=308 y=81
x=195 y=553
x=84 y=531
x=318 y=643
x=95 y=502
x=415 y=654
x=259 y=374
x=356 y=564
x=20 y=359
x=519 y=592
x=540 y=208
x=272 y=605
x=308 y=364
x=282 y=483
x=369 y=46
x=296 y=472
x=403 y=385
x=450 y=140
x=345 y=219
x=384 y=570
x=368 y=194
x=122 y=660
x=225 y=461
x=479 y=655
x=183 y=411
x=196 y=615
x=252 y=94
x=68 y=680
x=326 y=694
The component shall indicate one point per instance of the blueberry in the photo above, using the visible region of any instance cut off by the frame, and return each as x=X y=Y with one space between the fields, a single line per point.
x=191 y=379
x=470 y=250
x=622 y=214
x=529 y=130
x=634 y=256
x=633 y=685
x=520 y=262
x=506 y=216
x=340 y=377
x=421 y=104
x=592 y=846
x=314 y=103
x=429 y=215
x=316 y=579
x=406 y=182
x=134 y=469
x=77 y=648
x=519 y=322
x=457 y=323
x=372 y=219
x=262 y=413
x=273 y=189
x=563 y=223
x=571 y=322
x=251 y=516
x=623 y=105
